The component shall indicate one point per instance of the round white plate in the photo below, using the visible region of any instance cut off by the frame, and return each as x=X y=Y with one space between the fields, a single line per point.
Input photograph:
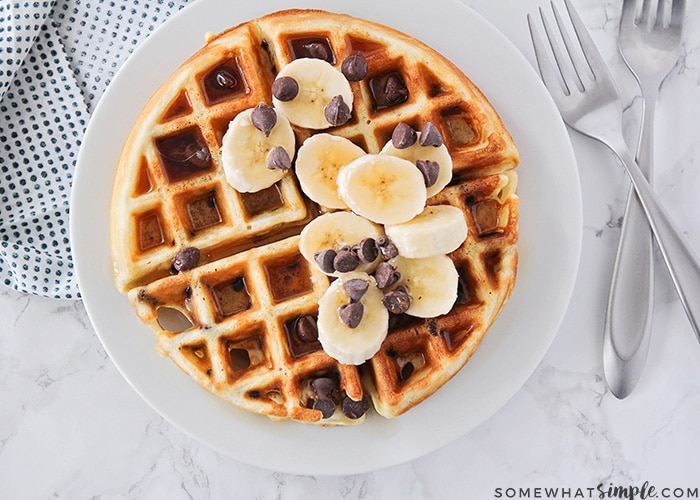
x=550 y=229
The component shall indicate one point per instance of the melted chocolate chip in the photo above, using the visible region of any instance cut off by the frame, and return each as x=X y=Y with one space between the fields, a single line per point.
x=325 y=259
x=351 y=314
x=314 y=47
x=285 y=88
x=305 y=329
x=355 y=288
x=317 y=50
x=225 y=79
x=354 y=409
x=264 y=118
x=278 y=158
x=397 y=301
x=386 y=275
x=354 y=67
x=407 y=370
x=430 y=136
x=388 y=90
x=187 y=150
x=337 y=112
x=403 y=136
x=325 y=406
x=430 y=170
x=346 y=261
x=186 y=259
x=323 y=387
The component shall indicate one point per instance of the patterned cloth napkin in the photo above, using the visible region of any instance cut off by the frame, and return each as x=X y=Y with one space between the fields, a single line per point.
x=56 y=59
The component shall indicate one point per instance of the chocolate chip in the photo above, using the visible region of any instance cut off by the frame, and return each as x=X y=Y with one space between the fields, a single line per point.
x=354 y=409
x=355 y=288
x=306 y=329
x=200 y=158
x=325 y=259
x=337 y=112
x=430 y=135
x=354 y=67
x=325 y=406
x=386 y=275
x=186 y=151
x=346 y=261
x=225 y=79
x=278 y=158
x=403 y=136
x=397 y=301
x=187 y=258
x=264 y=118
x=367 y=250
x=323 y=387
x=407 y=370
x=351 y=314
x=395 y=90
x=430 y=170
x=387 y=247
x=317 y=50
x=285 y=88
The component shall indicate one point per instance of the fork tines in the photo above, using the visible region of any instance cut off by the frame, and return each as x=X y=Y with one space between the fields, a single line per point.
x=644 y=14
x=578 y=63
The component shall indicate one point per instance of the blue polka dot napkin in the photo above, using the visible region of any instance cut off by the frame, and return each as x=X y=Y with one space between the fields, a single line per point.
x=56 y=59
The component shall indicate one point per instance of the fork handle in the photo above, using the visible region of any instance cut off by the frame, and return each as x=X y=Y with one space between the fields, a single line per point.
x=628 y=316
x=682 y=262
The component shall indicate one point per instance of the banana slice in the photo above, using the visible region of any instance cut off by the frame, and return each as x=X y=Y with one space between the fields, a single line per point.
x=416 y=152
x=318 y=161
x=438 y=229
x=245 y=150
x=335 y=231
x=319 y=82
x=383 y=188
x=431 y=283
x=352 y=345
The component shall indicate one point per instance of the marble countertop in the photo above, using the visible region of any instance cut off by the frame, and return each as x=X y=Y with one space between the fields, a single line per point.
x=72 y=427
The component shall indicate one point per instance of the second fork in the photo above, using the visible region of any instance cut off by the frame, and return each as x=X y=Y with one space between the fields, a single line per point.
x=585 y=93
x=648 y=40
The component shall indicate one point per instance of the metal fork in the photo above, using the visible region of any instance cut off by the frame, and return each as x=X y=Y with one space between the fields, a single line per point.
x=649 y=40
x=583 y=89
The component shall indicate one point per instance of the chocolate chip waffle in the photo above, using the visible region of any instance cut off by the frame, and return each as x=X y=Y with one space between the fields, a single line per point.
x=218 y=274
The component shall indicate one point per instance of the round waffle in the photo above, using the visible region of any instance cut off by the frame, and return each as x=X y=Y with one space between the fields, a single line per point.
x=235 y=321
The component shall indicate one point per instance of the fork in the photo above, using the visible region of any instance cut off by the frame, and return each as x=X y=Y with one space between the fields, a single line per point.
x=583 y=90
x=649 y=42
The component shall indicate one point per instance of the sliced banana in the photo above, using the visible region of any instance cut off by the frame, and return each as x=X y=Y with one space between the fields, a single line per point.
x=245 y=148
x=415 y=152
x=319 y=82
x=318 y=161
x=352 y=345
x=431 y=282
x=336 y=230
x=438 y=229
x=383 y=188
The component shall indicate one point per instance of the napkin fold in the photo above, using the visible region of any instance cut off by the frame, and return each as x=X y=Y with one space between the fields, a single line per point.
x=56 y=59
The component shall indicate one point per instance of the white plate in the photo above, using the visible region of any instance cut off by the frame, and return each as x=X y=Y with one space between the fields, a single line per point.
x=550 y=226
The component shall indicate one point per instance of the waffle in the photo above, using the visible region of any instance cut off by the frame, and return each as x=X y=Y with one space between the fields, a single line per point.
x=234 y=322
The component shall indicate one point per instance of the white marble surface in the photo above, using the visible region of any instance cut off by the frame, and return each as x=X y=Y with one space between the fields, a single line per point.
x=71 y=426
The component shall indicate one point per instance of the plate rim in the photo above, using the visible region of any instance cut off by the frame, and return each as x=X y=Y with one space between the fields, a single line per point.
x=296 y=462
